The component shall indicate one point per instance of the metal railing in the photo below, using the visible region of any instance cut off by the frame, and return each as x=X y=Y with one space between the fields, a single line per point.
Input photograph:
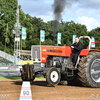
x=7 y=56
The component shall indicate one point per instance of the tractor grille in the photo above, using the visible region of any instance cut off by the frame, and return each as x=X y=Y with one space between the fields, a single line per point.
x=36 y=53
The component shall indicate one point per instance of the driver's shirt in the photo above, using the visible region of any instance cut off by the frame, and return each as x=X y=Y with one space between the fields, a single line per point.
x=77 y=47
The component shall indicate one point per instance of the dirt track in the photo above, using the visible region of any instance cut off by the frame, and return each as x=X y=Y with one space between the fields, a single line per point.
x=42 y=91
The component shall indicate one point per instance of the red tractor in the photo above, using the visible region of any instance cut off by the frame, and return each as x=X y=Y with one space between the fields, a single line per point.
x=52 y=62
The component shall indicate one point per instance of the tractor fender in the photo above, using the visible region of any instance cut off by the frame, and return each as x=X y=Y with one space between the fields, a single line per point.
x=85 y=52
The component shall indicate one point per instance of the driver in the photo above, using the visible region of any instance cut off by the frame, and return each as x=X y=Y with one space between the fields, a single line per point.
x=77 y=47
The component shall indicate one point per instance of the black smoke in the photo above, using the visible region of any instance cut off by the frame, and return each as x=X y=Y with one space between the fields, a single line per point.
x=58 y=7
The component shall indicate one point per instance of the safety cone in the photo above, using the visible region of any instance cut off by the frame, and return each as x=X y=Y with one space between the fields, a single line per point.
x=25 y=91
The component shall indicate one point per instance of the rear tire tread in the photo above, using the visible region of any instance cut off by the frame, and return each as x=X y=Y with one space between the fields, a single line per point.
x=82 y=70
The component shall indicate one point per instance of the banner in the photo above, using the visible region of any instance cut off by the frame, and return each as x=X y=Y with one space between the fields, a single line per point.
x=42 y=35
x=59 y=38
x=93 y=44
x=74 y=36
x=23 y=33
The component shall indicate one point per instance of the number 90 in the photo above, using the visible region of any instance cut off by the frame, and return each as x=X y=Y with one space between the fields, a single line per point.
x=25 y=93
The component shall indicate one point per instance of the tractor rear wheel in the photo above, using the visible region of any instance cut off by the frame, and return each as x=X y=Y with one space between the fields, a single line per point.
x=89 y=70
x=53 y=76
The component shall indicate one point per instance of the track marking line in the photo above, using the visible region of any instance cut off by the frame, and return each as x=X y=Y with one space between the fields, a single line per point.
x=25 y=91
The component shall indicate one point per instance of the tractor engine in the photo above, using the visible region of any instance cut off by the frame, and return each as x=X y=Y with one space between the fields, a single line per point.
x=57 y=61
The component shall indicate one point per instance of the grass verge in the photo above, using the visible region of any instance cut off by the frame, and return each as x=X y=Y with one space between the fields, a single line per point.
x=15 y=77
x=9 y=71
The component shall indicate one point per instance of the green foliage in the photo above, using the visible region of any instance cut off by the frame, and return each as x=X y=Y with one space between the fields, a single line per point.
x=7 y=15
x=34 y=25
x=69 y=29
x=96 y=34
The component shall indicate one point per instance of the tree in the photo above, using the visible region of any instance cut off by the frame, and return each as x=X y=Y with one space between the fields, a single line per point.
x=96 y=34
x=7 y=15
x=69 y=29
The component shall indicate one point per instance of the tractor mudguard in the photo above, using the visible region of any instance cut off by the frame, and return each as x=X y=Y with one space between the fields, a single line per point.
x=85 y=52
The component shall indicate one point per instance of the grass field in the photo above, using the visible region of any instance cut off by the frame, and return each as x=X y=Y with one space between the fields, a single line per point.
x=9 y=71
x=2 y=77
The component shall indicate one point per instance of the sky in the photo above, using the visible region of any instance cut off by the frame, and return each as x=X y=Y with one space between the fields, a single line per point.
x=85 y=12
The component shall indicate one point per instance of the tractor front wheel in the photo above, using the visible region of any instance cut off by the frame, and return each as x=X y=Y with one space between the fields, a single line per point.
x=53 y=76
